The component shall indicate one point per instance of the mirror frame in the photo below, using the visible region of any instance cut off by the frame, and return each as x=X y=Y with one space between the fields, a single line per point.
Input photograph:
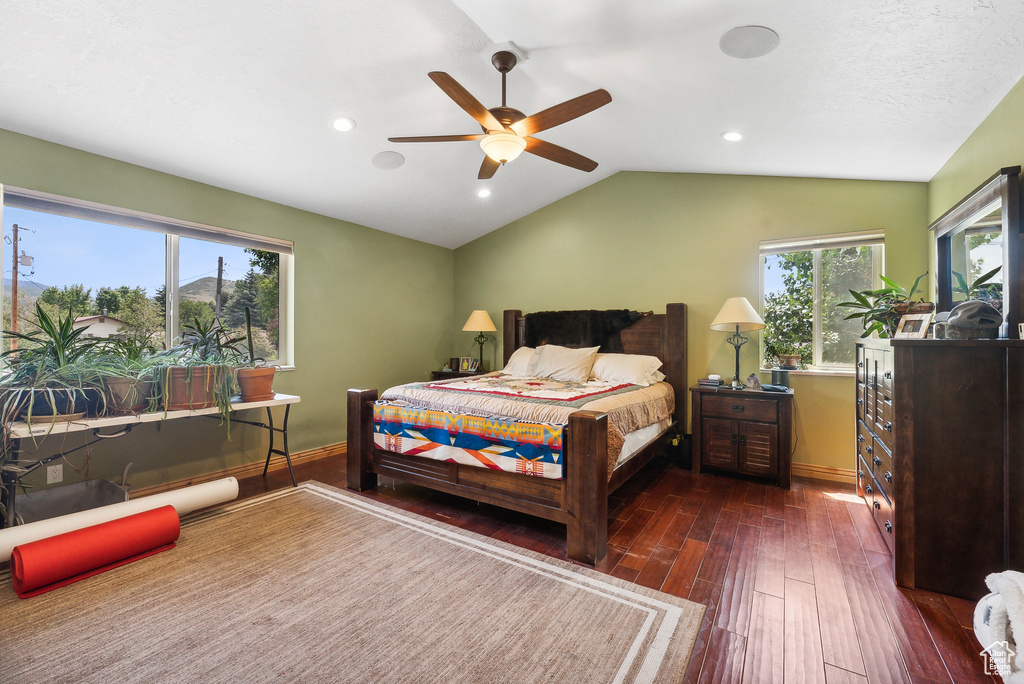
x=1004 y=186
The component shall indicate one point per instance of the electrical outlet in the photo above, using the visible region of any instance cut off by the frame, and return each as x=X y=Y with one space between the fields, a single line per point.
x=55 y=473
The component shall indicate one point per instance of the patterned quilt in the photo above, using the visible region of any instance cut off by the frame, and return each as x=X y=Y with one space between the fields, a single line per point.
x=507 y=422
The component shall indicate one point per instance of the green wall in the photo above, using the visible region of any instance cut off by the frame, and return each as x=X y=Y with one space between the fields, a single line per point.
x=371 y=309
x=641 y=240
x=996 y=143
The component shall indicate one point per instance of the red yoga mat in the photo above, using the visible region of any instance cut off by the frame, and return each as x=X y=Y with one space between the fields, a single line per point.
x=44 y=565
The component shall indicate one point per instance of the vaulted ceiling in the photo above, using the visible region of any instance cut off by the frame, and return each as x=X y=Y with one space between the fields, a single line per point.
x=241 y=93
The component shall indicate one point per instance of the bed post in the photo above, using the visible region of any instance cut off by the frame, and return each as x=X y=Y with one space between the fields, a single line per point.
x=675 y=358
x=586 y=486
x=360 y=439
x=509 y=325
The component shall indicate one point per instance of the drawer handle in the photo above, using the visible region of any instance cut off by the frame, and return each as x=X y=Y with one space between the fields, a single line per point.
x=869 y=449
x=887 y=426
x=743 y=440
x=734 y=439
x=860 y=364
x=860 y=402
x=877 y=461
x=888 y=476
x=888 y=375
x=888 y=527
x=868 y=489
x=878 y=506
x=860 y=438
x=860 y=473
x=737 y=408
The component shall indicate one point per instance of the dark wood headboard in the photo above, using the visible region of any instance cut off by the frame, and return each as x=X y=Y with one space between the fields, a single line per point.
x=661 y=335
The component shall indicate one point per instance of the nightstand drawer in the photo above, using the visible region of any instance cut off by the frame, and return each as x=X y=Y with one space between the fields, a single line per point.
x=740 y=408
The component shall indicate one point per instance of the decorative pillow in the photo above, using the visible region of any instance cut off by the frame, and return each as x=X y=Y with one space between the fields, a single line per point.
x=562 y=363
x=636 y=369
x=519 y=362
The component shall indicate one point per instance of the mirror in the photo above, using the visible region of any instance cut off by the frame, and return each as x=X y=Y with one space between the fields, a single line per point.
x=978 y=245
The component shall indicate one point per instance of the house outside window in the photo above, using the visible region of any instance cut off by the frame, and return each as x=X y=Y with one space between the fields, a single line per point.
x=148 y=273
x=802 y=282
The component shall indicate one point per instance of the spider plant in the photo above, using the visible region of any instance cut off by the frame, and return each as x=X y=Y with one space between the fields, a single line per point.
x=53 y=371
x=880 y=310
x=128 y=373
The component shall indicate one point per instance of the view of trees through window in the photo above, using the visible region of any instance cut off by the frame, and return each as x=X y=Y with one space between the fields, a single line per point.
x=791 y=315
x=92 y=269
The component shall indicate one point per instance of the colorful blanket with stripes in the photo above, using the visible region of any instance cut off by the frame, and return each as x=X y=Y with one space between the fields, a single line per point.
x=507 y=422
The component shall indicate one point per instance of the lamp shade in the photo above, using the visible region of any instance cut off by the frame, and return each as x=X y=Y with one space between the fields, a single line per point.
x=481 y=322
x=502 y=147
x=737 y=313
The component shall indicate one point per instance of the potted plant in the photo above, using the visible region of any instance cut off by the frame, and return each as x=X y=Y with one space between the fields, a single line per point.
x=255 y=377
x=880 y=310
x=981 y=288
x=786 y=354
x=53 y=374
x=128 y=374
x=198 y=372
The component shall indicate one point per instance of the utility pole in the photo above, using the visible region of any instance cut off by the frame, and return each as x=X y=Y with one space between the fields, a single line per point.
x=14 y=287
x=220 y=283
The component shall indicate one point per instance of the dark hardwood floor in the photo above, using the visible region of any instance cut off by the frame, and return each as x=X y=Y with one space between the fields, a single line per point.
x=797 y=583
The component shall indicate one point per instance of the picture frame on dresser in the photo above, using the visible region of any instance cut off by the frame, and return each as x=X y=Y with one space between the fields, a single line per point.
x=913 y=326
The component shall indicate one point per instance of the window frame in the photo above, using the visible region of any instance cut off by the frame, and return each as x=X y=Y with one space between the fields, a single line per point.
x=816 y=245
x=172 y=229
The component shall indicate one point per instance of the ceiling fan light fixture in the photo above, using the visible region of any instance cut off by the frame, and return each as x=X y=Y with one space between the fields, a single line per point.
x=502 y=147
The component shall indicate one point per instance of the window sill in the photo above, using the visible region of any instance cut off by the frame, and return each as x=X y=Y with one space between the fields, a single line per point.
x=845 y=373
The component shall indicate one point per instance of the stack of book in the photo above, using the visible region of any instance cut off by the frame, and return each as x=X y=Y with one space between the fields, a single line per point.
x=707 y=382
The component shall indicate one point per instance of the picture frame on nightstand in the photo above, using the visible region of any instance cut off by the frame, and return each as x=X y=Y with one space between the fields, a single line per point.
x=464 y=363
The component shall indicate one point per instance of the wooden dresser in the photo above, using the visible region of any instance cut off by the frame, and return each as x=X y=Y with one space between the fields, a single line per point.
x=940 y=457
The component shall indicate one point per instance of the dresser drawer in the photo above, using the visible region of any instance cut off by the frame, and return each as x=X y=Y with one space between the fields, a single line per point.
x=740 y=408
x=881 y=467
x=882 y=511
x=862 y=399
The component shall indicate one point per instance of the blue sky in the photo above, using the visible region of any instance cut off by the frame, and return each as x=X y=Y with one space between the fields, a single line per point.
x=69 y=251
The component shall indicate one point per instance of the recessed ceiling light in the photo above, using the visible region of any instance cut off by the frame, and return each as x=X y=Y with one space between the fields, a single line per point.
x=343 y=124
x=483 y=192
x=388 y=161
x=747 y=42
x=732 y=136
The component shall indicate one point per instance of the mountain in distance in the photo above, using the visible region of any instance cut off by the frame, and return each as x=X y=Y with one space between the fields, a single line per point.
x=29 y=287
x=204 y=289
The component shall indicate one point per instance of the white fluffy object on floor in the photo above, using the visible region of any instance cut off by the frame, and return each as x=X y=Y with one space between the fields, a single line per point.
x=1000 y=616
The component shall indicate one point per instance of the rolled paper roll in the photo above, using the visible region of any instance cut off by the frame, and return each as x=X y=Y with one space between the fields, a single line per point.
x=184 y=500
x=46 y=564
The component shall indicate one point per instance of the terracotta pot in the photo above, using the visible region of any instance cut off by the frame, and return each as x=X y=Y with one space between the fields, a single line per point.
x=192 y=387
x=128 y=395
x=256 y=383
x=789 y=361
x=917 y=307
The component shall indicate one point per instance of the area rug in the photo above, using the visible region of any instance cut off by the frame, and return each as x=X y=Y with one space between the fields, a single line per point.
x=315 y=584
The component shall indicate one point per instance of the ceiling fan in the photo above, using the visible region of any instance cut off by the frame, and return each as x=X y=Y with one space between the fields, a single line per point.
x=508 y=132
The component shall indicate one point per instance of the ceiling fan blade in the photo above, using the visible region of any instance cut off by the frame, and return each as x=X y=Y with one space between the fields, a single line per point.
x=560 y=113
x=437 y=138
x=560 y=155
x=487 y=169
x=464 y=99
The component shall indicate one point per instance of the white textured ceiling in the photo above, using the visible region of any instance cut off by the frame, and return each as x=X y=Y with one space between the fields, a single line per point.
x=240 y=93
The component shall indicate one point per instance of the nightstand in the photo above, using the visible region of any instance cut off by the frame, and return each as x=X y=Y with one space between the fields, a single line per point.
x=448 y=375
x=743 y=431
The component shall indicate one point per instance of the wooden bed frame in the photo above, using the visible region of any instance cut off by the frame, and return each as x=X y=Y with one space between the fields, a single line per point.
x=580 y=499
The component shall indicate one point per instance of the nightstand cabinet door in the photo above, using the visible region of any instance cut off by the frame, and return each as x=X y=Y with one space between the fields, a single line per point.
x=759 y=454
x=720 y=444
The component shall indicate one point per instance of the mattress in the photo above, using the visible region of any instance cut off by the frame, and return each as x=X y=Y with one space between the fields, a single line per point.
x=511 y=423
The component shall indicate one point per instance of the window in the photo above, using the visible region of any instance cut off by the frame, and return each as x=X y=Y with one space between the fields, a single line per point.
x=803 y=281
x=131 y=274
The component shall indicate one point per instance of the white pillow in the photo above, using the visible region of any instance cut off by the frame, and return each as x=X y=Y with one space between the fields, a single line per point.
x=563 y=363
x=636 y=369
x=519 y=362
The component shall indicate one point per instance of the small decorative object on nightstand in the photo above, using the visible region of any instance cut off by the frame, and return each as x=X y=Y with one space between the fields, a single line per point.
x=748 y=432
x=451 y=374
x=737 y=315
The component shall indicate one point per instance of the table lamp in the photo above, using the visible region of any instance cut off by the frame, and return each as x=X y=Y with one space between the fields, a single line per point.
x=480 y=321
x=737 y=315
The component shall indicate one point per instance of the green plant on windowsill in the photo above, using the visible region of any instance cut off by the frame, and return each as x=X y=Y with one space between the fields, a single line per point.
x=53 y=372
x=880 y=310
x=198 y=372
x=129 y=373
x=776 y=351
